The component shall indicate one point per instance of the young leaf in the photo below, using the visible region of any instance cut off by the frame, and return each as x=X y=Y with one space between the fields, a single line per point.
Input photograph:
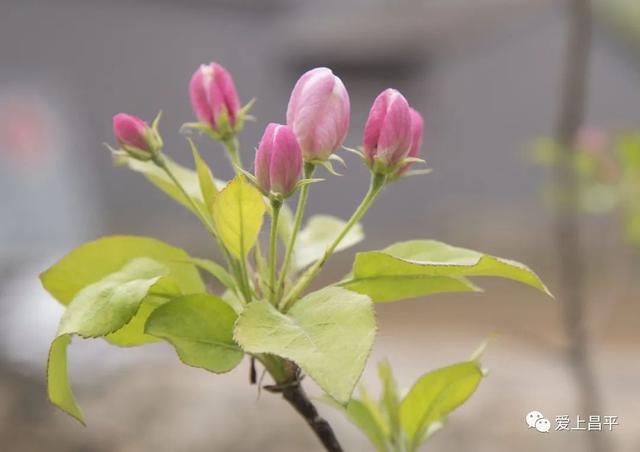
x=187 y=177
x=390 y=399
x=422 y=267
x=237 y=212
x=434 y=396
x=384 y=284
x=106 y=306
x=319 y=232
x=375 y=409
x=132 y=334
x=361 y=416
x=58 y=387
x=94 y=260
x=200 y=327
x=328 y=333
x=208 y=188
x=233 y=299
x=216 y=270
x=97 y=311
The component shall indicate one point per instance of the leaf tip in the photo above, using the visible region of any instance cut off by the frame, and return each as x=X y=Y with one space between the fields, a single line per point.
x=477 y=354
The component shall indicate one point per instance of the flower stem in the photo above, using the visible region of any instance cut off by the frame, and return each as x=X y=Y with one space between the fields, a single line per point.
x=276 y=204
x=233 y=149
x=162 y=164
x=377 y=183
x=309 y=168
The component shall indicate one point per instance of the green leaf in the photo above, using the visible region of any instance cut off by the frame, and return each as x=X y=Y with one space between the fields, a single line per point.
x=368 y=421
x=98 y=310
x=216 y=270
x=106 y=306
x=358 y=413
x=234 y=300
x=237 y=212
x=328 y=333
x=319 y=232
x=423 y=267
x=386 y=284
x=200 y=327
x=375 y=410
x=156 y=175
x=94 y=260
x=132 y=334
x=390 y=398
x=58 y=387
x=434 y=396
x=206 y=182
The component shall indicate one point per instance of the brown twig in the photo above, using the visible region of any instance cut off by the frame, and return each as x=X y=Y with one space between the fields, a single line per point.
x=293 y=392
x=569 y=121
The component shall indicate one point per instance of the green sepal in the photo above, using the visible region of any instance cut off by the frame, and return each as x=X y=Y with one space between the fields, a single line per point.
x=337 y=158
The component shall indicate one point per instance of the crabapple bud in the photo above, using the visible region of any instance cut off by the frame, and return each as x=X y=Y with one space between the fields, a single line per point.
x=387 y=132
x=214 y=99
x=278 y=162
x=136 y=137
x=318 y=112
x=417 y=125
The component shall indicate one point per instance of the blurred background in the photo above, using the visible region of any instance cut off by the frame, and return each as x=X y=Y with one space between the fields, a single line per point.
x=486 y=75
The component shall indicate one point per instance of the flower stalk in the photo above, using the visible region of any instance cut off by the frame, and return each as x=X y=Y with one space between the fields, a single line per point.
x=309 y=169
x=378 y=181
x=276 y=204
x=233 y=149
x=161 y=163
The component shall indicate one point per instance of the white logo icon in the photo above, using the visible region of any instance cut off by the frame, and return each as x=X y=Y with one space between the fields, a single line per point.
x=535 y=419
x=543 y=425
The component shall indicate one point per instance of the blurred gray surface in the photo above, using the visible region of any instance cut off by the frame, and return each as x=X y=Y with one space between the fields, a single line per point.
x=485 y=75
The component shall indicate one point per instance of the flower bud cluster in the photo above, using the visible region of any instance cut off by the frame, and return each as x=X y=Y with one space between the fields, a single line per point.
x=317 y=122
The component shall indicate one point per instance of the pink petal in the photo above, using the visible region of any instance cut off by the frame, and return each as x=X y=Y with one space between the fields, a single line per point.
x=198 y=91
x=130 y=130
x=264 y=156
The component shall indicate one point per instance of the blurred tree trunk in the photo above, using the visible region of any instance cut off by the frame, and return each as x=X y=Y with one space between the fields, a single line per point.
x=567 y=228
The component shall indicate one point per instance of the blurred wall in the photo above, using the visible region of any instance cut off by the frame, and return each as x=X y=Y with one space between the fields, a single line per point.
x=485 y=75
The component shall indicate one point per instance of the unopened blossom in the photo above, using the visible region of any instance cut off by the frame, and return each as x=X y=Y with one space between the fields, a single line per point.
x=278 y=162
x=318 y=112
x=387 y=132
x=135 y=136
x=214 y=99
x=417 y=126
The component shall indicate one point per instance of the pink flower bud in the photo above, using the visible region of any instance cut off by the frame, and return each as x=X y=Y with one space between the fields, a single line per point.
x=387 y=133
x=278 y=161
x=417 y=124
x=135 y=136
x=318 y=112
x=214 y=98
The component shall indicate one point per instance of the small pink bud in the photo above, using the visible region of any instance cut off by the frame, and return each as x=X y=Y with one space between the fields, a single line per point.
x=318 y=112
x=135 y=136
x=278 y=161
x=214 y=98
x=417 y=124
x=387 y=133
